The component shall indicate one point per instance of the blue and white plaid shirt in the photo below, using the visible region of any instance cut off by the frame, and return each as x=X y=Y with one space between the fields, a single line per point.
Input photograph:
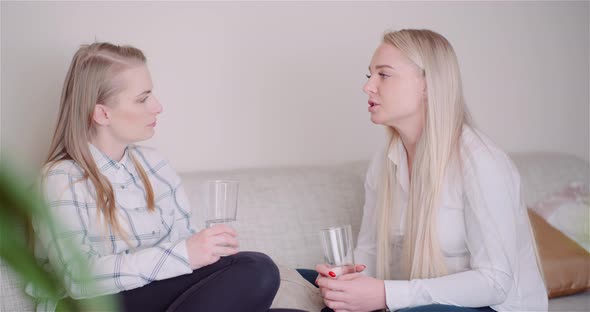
x=157 y=247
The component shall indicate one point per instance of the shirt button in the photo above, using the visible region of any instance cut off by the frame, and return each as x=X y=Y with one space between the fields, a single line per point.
x=122 y=187
x=153 y=232
x=126 y=251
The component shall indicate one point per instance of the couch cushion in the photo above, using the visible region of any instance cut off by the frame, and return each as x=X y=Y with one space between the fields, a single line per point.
x=574 y=303
x=13 y=297
x=296 y=292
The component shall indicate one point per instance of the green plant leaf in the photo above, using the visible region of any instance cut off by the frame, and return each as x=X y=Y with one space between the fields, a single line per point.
x=18 y=206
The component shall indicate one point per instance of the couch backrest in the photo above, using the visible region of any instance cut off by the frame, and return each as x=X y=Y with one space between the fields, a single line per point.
x=543 y=174
x=282 y=210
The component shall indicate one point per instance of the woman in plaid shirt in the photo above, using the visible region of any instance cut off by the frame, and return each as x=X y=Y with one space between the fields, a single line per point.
x=125 y=208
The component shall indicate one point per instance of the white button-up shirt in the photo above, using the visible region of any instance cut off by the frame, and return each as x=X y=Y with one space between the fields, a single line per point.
x=157 y=247
x=483 y=231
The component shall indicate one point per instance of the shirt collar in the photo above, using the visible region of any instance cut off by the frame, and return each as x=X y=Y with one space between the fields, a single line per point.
x=104 y=162
x=397 y=154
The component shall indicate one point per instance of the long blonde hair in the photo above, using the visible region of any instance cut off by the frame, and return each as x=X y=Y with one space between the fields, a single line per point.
x=438 y=144
x=91 y=80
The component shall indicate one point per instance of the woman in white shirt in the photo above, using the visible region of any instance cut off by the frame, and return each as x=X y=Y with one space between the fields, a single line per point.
x=444 y=226
x=124 y=207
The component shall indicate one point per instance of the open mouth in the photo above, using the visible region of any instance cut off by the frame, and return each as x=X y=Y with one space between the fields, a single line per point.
x=372 y=104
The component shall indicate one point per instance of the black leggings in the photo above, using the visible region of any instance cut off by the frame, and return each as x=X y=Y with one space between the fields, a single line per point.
x=246 y=281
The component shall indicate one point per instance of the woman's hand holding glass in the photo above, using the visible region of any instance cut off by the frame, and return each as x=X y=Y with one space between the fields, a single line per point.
x=341 y=284
x=325 y=270
x=208 y=245
x=352 y=292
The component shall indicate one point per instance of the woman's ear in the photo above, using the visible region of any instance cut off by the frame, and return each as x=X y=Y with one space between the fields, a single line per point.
x=100 y=115
x=421 y=81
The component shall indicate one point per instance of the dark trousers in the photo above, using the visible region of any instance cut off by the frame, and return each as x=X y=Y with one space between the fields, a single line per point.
x=246 y=281
x=436 y=308
x=445 y=308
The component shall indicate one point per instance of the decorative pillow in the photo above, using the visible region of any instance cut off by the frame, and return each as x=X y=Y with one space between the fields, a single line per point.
x=566 y=265
x=569 y=211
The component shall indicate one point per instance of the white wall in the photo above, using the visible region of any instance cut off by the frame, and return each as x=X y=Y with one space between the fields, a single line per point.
x=248 y=84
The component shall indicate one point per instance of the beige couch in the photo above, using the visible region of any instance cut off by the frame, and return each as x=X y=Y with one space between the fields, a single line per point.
x=281 y=211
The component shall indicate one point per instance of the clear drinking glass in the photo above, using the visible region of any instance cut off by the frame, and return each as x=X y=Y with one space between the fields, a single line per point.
x=222 y=203
x=338 y=248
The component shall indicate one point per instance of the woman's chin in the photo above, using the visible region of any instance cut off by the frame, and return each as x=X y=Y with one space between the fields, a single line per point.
x=376 y=120
x=146 y=136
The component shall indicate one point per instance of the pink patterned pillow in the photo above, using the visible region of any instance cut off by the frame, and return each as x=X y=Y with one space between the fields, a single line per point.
x=568 y=210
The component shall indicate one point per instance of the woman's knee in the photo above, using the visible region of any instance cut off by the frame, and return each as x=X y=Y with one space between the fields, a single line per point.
x=265 y=273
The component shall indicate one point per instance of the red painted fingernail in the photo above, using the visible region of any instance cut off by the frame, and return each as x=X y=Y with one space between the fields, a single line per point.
x=332 y=274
